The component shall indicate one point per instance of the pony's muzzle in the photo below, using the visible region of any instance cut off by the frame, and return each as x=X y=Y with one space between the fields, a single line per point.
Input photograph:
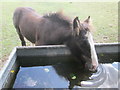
x=91 y=67
x=94 y=65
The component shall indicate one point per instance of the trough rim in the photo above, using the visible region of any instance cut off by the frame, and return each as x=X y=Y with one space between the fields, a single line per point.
x=64 y=46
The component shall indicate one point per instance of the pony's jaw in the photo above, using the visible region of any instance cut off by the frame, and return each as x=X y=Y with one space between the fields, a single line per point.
x=93 y=52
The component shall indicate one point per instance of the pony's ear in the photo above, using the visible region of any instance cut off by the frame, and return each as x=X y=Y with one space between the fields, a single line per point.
x=76 y=26
x=87 y=20
x=76 y=23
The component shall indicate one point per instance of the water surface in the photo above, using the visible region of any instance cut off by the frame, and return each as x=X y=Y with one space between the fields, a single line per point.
x=67 y=75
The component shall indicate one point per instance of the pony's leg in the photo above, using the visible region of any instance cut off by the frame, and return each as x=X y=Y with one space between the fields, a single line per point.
x=22 y=40
x=37 y=44
x=32 y=44
x=21 y=37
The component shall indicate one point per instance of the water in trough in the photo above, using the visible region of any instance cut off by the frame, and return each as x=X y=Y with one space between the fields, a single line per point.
x=68 y=75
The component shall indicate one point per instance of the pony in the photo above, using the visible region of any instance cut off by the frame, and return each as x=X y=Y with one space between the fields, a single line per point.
x=54 y=29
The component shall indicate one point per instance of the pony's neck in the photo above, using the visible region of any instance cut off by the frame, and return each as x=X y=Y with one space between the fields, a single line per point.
x=68 y=37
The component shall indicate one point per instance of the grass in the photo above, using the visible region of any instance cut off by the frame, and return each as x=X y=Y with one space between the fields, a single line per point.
x=104 y=16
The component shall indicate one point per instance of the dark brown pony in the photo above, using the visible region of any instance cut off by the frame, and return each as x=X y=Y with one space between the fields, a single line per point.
x=56 y=28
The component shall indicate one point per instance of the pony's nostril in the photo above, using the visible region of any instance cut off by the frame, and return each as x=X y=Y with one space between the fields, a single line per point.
x=93 y=68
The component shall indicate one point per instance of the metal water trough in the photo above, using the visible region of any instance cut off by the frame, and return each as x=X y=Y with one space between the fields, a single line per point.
x=41 y=55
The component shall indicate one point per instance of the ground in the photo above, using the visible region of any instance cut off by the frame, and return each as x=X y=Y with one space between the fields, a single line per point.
x=104 y=17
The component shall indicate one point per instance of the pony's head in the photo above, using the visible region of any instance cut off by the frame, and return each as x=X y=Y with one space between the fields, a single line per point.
x=82 y=44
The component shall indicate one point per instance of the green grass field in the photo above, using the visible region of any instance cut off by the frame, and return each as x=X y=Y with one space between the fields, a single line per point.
x=104 y=17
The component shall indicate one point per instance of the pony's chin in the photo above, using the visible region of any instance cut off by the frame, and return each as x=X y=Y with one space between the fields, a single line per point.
x=93 y=70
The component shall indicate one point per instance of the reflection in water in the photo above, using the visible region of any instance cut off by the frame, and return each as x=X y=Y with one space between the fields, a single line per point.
x=107 y=77
x=72 y=72
x=67 y=75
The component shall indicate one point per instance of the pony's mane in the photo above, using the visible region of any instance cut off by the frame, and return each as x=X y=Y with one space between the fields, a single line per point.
x=58 y=17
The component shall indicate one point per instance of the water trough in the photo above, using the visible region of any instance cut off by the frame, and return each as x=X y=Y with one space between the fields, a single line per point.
x=42 y=55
